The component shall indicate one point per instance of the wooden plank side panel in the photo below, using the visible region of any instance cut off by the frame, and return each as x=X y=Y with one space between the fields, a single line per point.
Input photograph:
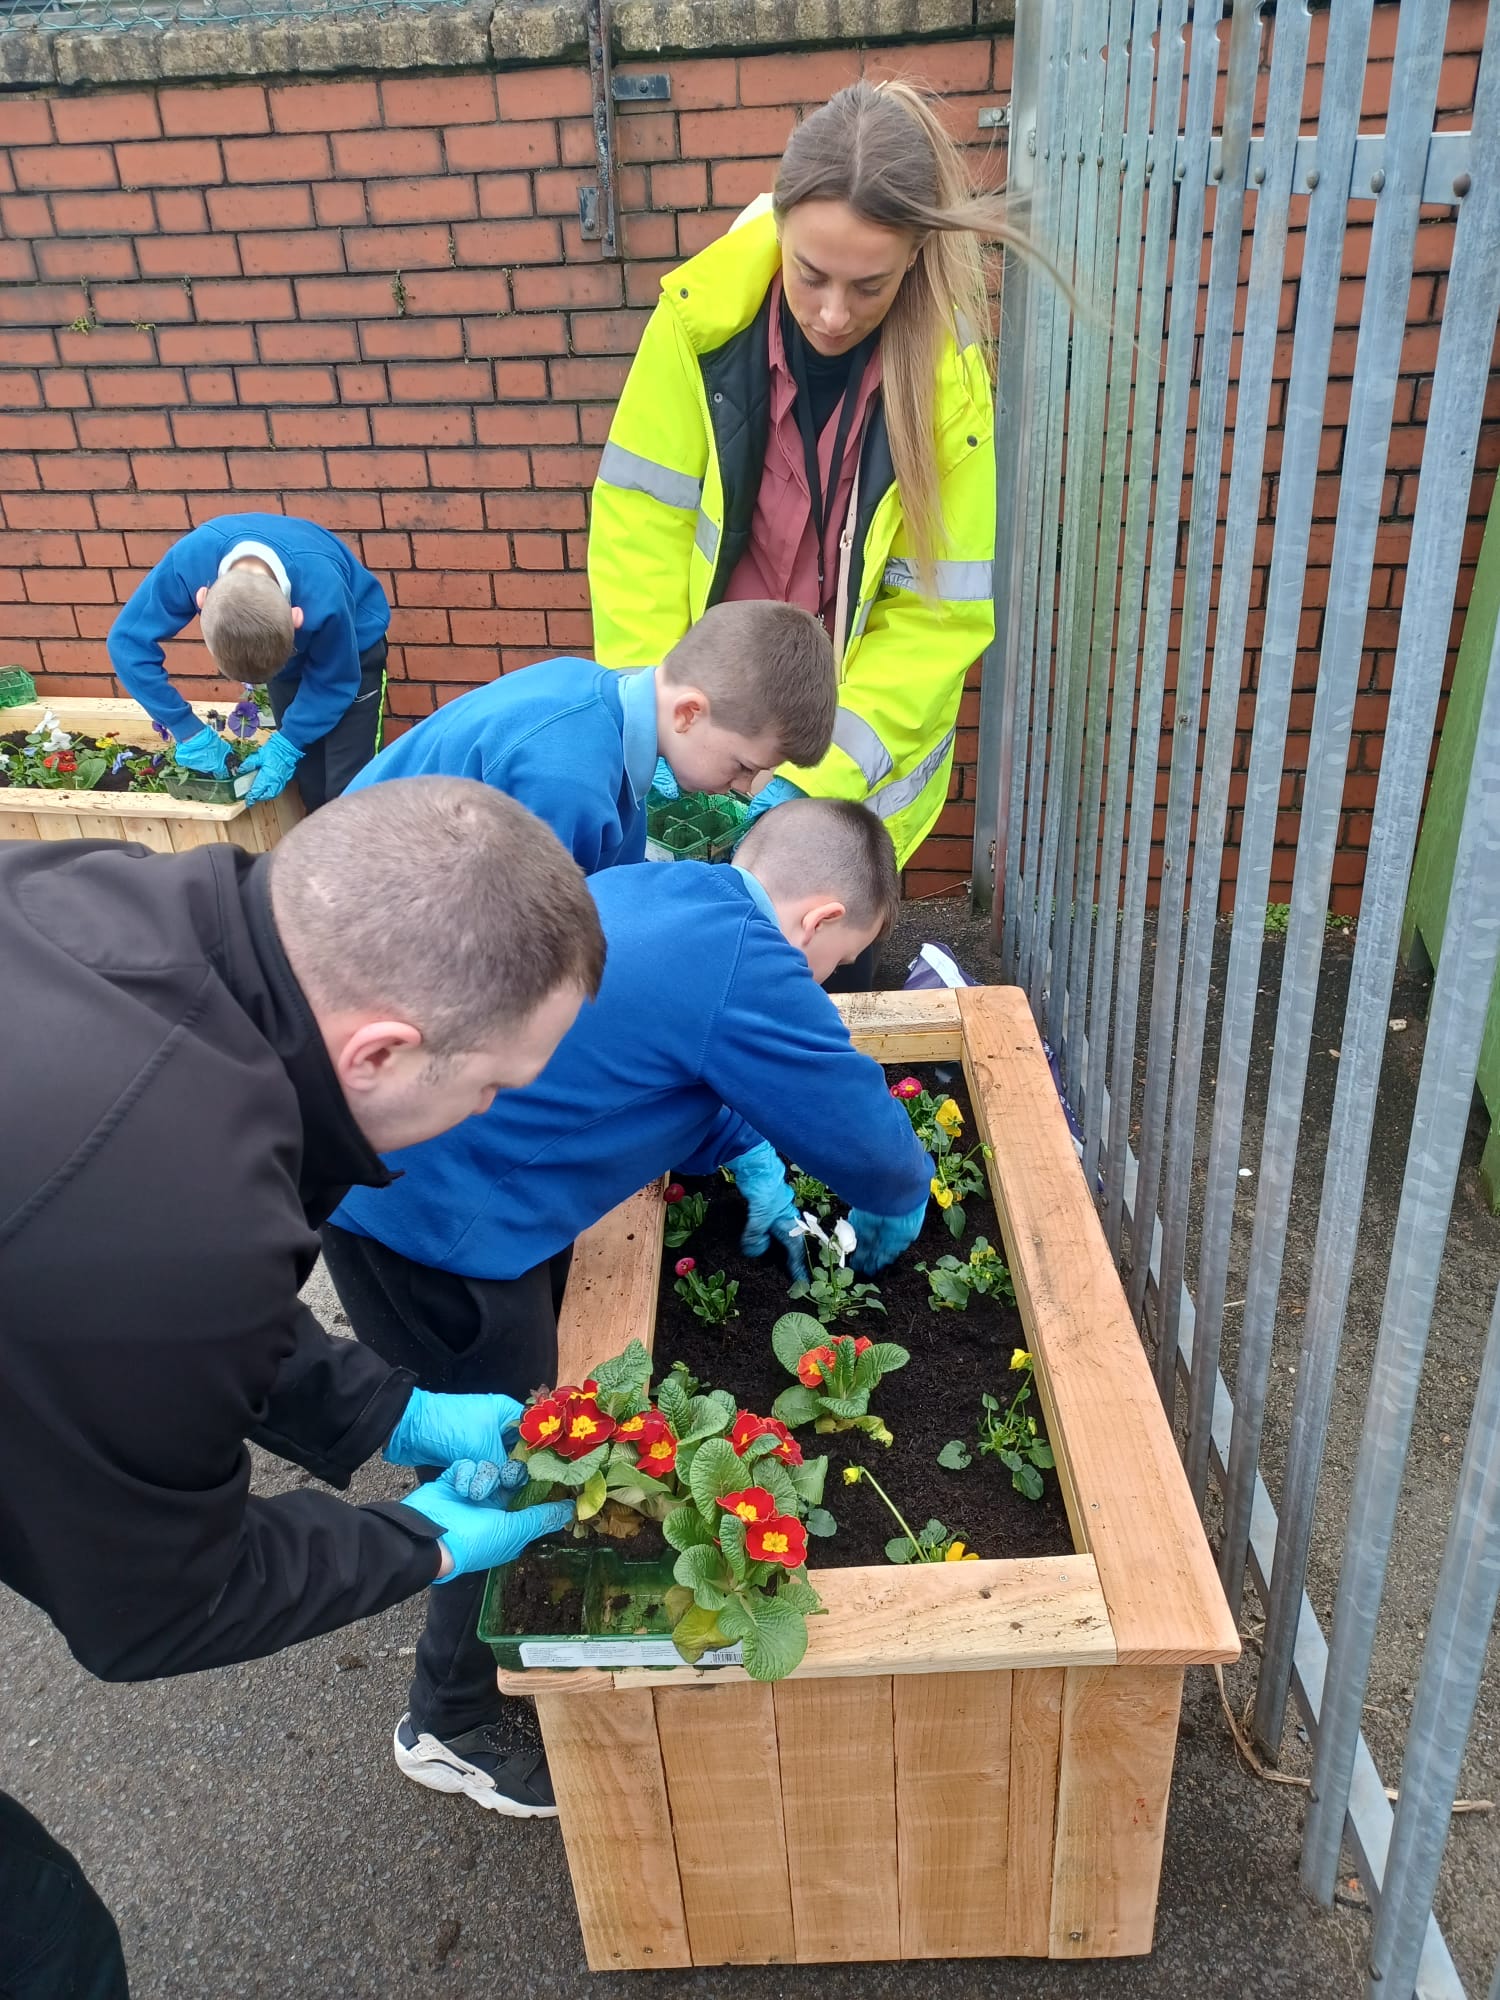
x=188 y=833
x=724 y=1787
x=949 y=1617
x=617 y=1827
x=904 y=1027
x=58 y=826
x=1036 y=1701
x=838 y=1789
x=1119 y=1737
x=149 y=832
x=18 y=826
x=611 y=1295
x=1128 y=1497
x=952 y=1813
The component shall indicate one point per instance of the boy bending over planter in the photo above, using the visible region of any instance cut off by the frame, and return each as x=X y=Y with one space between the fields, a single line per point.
x=282 y=602
x=746 y=688
x=711 y=1044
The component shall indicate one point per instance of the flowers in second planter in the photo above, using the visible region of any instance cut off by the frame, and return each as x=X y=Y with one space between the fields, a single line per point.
x=748 y=1427
x=782 y=1539
x=584 y=1427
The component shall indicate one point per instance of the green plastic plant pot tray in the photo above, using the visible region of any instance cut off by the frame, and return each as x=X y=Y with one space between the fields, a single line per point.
x=697 y=826
x=624 y=1620
x=16 y=687
x=206 y=791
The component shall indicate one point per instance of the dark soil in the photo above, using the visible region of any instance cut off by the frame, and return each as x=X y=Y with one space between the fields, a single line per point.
x=955 y=1356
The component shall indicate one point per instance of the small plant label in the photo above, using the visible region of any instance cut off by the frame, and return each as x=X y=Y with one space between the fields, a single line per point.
x=619 y=1653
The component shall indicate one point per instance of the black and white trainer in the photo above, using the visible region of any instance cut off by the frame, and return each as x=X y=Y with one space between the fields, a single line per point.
x=478 y=1765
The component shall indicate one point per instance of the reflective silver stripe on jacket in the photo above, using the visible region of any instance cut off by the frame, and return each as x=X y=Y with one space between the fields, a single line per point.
x=854 y=736
x=957 y=582
x=706 y=537
x=634 y=474
x=900 y=793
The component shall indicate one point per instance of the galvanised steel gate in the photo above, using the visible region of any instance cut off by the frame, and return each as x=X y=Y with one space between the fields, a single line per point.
x=1159 y=144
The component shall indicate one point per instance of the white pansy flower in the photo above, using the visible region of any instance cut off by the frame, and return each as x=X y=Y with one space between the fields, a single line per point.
x=841 y=1242
x=52 y=733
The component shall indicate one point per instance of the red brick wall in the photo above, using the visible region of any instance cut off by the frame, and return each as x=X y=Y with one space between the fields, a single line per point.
x=368 y=301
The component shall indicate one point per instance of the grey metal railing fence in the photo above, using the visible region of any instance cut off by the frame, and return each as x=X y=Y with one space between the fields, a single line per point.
x=1151 y=138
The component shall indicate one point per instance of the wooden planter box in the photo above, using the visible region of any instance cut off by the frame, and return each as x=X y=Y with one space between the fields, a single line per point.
x=170 y=825
x=973 y=1760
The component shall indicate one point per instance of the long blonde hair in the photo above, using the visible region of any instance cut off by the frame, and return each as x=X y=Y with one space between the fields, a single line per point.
x=881 y=149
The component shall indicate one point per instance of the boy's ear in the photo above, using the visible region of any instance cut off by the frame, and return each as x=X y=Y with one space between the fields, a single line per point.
x=201 y=596
x=689 y=705
x=296 y=617
x=817 y=916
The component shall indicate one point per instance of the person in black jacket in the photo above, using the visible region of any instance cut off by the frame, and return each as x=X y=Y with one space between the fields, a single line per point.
x=203 y=1052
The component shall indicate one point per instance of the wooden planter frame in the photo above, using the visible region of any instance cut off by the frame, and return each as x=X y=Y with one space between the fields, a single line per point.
x=152 y=818
x=972 y=1761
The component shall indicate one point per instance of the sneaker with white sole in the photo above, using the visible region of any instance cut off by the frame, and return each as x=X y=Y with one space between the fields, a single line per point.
x=478 y=1765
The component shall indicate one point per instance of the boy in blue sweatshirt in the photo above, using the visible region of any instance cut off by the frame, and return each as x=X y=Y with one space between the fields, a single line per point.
x=711 y=1044
x=282 y=602
x=749 y=686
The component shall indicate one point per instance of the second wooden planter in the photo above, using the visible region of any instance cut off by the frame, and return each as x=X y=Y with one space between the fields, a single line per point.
x=974 y=1760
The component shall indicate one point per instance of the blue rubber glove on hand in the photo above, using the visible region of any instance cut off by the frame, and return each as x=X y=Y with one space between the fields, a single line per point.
x=480 y=1533
x=274 y=765
x=439 y=1430
x=774 y=793
x=663 y=783
x=880 y=1239
x=205 y=752
x=761 y=1179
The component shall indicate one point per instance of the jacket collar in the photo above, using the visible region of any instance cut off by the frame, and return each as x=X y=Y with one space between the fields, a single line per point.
x=335 y=1153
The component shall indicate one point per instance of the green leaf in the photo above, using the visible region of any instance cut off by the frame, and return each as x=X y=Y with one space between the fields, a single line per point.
x=684 y=1529
x=808 y=1478
x=532 y=1494
x=695 y=1632
x=760 y=1447
x=716 y=1470
x=796 y=1406
x=799 y=1593
x=792 y=1335
x=778 y=1482
x=933 y=1533
x=899 y=1550
x=1027 y=1481
x=629 y=1372
x=853 y=1405
x=591 y=1497
x=954 y=1217
x=1041 y=1455
x=1011 y=1458
x=956 y=1456
x=776 y=1641
x=706 y=1417
x=702 y=1571
x=674 y=1402
x=886 y=1356
x=821 y=1522
x=677 y=1603
x=732 y=1542
x=735 y=1621
x=989 y=1402
x=565 y=1471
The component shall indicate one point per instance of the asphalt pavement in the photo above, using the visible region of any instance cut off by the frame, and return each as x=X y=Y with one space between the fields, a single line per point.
x=251 y=1832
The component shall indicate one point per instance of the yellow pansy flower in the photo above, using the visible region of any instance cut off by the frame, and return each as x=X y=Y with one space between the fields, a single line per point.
x=851 y=1475
x=949 y=1117
x=1019 y=1358
x=942 y=1195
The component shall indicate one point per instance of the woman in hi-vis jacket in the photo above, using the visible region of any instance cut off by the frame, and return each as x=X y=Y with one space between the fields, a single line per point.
x=809 y=418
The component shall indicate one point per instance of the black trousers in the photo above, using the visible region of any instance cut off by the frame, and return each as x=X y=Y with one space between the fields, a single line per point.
x=457 y=1335
x=328 y=765
x=57 y=1940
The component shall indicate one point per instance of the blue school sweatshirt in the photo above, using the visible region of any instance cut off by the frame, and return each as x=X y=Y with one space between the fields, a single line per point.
x=709 y=1032
x=343 y=613
x=575 y=743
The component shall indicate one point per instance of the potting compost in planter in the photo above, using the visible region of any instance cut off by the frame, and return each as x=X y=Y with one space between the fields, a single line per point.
x=972 y=1756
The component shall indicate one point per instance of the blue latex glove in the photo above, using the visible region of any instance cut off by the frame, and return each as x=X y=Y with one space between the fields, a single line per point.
x=761 y=1179
x=663 y=783
x=439 y=1430
x=480 y=1532
x=205 y=752
x=774 y=793
x=880 y=1239
x=274 y=764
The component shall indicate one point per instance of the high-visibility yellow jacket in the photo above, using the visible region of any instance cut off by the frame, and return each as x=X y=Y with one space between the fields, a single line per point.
x=672 y=509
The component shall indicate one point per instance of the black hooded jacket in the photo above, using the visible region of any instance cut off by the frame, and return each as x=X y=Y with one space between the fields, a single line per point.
x=171 y=1134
